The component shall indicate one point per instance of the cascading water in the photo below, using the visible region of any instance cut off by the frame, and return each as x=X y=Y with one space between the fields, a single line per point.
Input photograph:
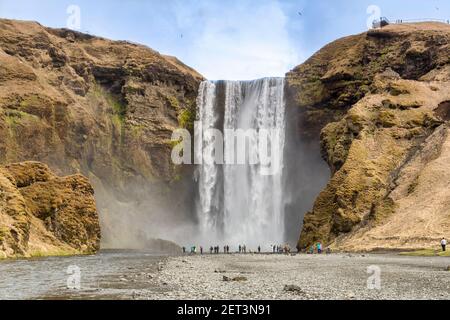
x=240 y=202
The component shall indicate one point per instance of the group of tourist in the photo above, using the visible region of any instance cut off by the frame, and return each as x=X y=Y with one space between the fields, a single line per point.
x=242 y=248
x=316 y=248
x=215 y=249
x=281 y=248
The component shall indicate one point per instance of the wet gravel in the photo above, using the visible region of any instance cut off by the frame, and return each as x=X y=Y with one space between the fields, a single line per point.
x=112 y=274
x=140 y=275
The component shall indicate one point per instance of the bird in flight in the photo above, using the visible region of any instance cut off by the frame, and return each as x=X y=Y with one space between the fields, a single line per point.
x=299 y=13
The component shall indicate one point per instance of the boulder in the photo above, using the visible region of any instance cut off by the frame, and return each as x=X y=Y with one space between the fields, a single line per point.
x=43 y=214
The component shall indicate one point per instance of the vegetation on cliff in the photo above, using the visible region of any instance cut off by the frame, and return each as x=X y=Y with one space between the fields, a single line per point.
x=378 y=100
x=90 y=104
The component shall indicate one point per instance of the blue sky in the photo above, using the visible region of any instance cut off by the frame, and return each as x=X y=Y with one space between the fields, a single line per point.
x=226 y=39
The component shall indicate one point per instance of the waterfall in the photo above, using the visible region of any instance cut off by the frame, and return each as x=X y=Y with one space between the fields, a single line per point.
x=239 y=203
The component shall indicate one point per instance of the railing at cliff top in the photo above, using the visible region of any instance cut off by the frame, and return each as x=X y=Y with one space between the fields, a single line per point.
x=400 y=21
x=383 y=21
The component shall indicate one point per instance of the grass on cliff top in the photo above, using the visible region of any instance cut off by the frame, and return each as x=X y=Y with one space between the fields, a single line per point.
x=426 y=253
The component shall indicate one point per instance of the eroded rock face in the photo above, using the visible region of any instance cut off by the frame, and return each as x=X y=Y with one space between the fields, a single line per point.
x=102 y=108
x=90 y=104
x=43 y=214
x=378 y=100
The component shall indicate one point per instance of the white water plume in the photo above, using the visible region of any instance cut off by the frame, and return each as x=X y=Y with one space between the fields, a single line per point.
x=237 y=204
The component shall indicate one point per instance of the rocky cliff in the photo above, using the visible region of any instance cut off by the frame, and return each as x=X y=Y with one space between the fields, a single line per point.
x=380 y=102
x=42 y=214
x=377 y=104
x=106 y=109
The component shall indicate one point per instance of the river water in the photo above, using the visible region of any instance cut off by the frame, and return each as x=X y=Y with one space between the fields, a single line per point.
x=110 y=274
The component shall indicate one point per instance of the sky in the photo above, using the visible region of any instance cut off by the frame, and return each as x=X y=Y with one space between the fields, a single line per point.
x=225 y=39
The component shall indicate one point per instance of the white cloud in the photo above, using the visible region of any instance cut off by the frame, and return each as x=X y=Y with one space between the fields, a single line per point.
x=245 y=40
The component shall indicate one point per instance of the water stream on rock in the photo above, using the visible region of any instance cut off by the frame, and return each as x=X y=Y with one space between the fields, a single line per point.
x=241 y=203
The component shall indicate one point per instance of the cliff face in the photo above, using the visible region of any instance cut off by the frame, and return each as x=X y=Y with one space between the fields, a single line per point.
x=42 y=214
x=106 y=109
x=380 y=102
x=89 y=104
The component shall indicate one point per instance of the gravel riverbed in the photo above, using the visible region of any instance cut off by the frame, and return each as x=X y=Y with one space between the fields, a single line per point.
x=140 y=275
x=272 y=276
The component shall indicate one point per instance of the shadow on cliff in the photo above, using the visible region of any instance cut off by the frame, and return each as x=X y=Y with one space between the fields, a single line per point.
x=306 y=173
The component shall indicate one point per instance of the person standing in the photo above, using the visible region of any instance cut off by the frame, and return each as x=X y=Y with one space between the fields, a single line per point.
x=259 y=249
x=201 y=250
x=443 y=243
x=184 y=250
x=319 y=247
